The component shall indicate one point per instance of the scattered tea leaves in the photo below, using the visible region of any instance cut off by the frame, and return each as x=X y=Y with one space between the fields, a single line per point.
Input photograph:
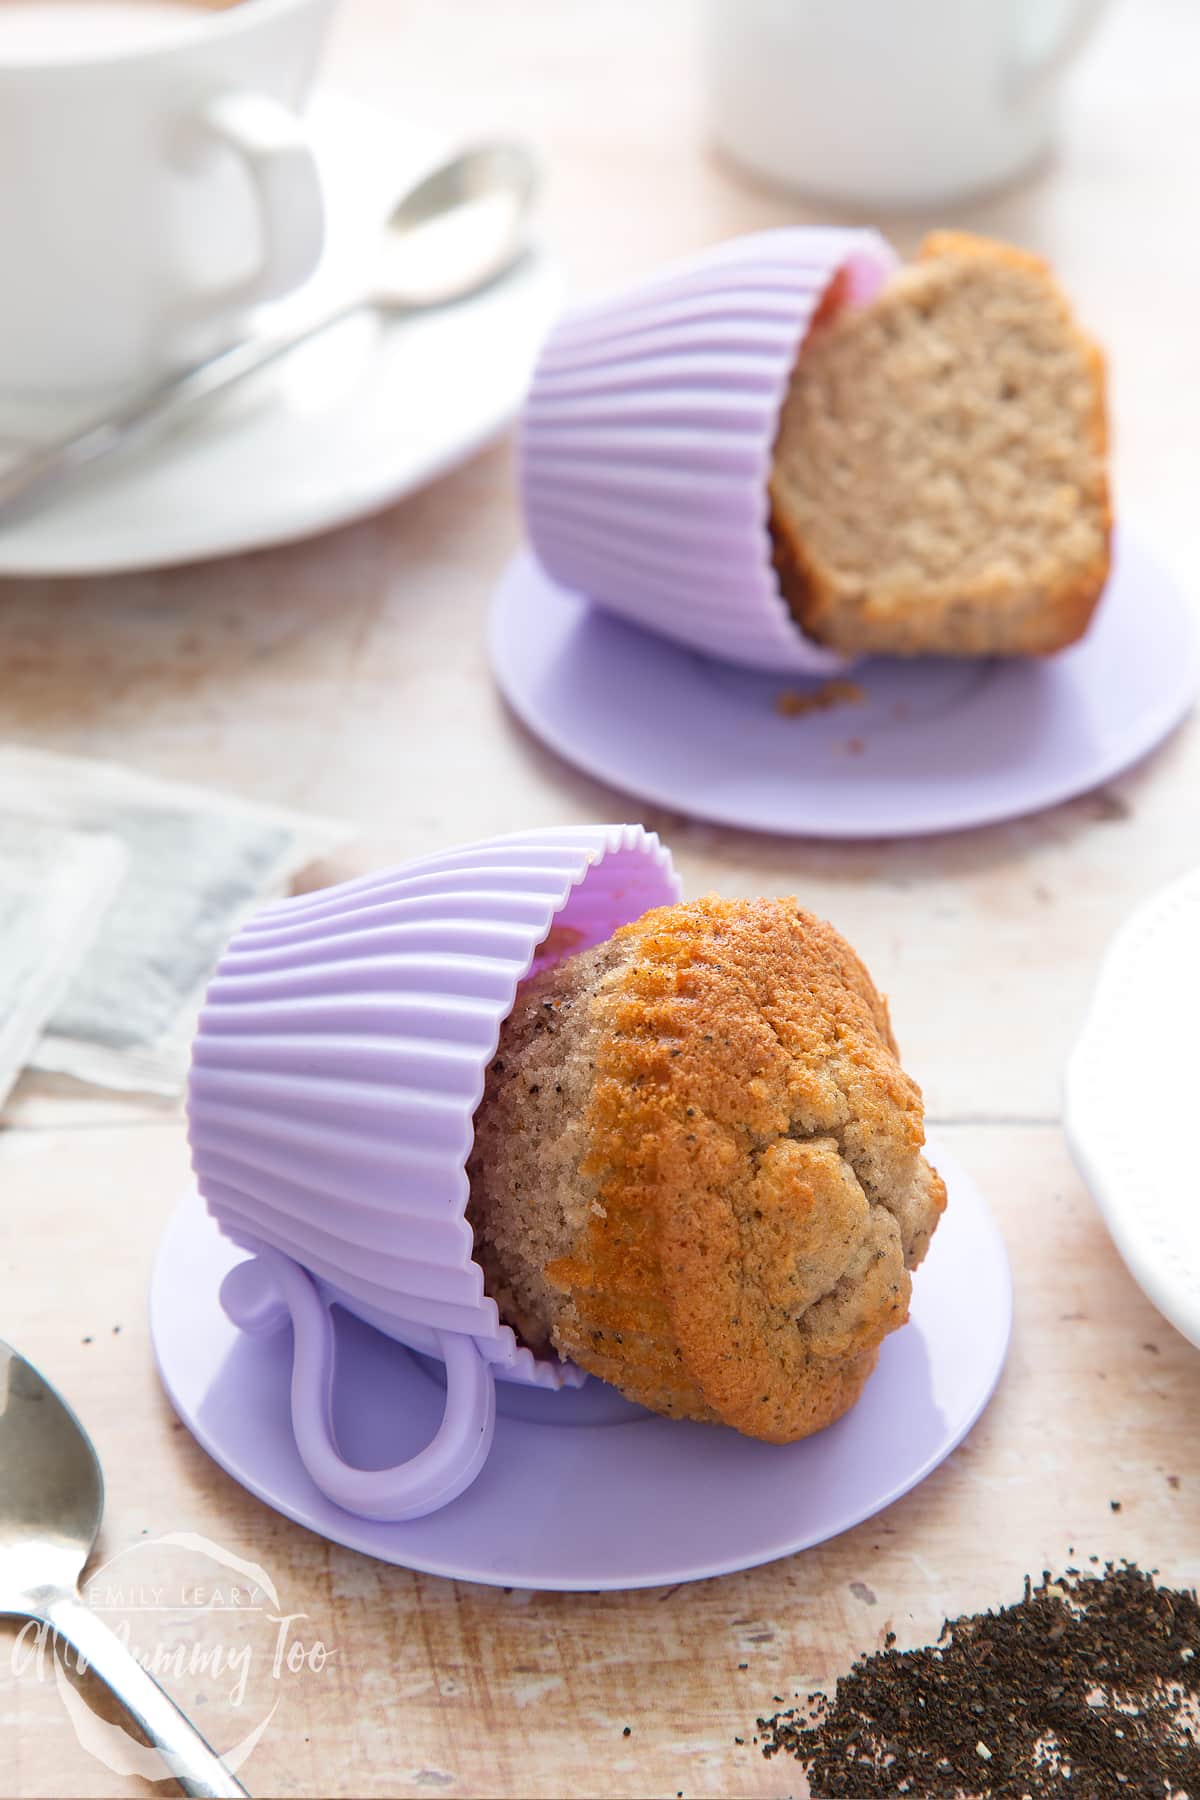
x=1089 y=1685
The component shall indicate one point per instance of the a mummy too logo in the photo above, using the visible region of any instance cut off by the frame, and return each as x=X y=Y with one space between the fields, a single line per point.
x=209 y=1625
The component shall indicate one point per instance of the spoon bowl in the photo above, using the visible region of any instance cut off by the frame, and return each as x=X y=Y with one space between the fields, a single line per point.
x=51 y=1489
x=458 y=229
x=51 y=1502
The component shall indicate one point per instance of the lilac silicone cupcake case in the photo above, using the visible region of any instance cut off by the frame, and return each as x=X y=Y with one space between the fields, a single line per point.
x=646 y=441
x=338 y=1064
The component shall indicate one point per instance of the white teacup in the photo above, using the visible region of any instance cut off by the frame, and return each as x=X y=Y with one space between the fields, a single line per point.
x=155 y=182
x=889 y=102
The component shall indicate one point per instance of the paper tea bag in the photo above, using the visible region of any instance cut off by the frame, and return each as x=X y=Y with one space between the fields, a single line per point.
x=197 y=863
x=55 y=885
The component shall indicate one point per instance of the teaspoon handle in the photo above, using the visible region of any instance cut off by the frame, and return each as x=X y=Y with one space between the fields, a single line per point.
x=196 y=1767
x=25 y=482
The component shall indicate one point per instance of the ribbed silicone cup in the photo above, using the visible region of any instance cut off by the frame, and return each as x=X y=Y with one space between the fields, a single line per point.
x=645 y=444
x=341 y=1054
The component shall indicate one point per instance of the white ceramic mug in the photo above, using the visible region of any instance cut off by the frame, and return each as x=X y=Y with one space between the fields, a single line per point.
x=889 y=102
x=155 y=182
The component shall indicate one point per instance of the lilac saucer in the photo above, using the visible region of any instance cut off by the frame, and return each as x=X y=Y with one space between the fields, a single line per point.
x=606 y=1495
x=933 y=745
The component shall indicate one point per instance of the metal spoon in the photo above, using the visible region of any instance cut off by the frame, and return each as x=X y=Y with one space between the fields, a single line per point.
x=51 y=1499
x=457 y=232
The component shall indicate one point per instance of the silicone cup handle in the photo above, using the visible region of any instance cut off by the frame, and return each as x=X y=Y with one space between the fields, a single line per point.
x=261 y=1295
x=273 y=147
x=1035 y=70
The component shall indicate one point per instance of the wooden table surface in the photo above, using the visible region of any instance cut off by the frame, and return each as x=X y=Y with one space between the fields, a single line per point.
x=347 y=675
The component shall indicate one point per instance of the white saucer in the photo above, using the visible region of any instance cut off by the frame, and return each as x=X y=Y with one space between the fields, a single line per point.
x=1130 y=1099
x=357 y=419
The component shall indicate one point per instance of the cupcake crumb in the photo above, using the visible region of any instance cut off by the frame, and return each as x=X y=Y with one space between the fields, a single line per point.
x=792 y=704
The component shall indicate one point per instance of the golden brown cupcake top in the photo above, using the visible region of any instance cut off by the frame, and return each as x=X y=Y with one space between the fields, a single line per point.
x=697 y=1167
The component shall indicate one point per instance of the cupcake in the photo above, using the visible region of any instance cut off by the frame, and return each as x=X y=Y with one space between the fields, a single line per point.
x=524 y=1110
x=790 y=452
x=697 y=1167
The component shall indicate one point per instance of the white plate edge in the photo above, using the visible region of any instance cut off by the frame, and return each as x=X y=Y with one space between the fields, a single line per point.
x=1085 y=1114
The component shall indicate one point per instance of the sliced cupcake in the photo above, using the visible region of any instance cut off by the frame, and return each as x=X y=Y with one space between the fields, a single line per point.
x=939 y=480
